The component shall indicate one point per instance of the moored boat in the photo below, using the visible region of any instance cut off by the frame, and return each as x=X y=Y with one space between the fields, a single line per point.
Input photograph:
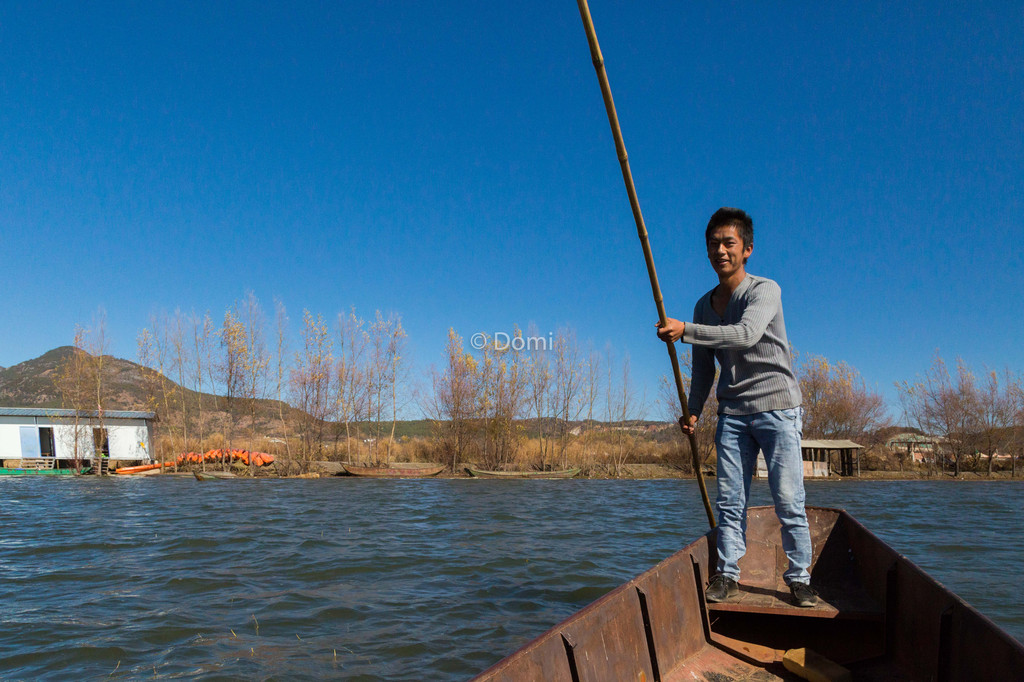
x=879 y=617
x=484 y=473
x=212 y=475
x=395 y=470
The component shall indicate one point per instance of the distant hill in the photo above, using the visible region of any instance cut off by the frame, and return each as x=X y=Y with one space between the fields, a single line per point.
x=30 y=383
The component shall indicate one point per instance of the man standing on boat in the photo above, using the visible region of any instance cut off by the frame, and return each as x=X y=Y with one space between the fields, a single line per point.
x=740 y=324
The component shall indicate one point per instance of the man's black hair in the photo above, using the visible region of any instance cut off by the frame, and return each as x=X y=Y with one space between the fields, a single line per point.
x=739 y=219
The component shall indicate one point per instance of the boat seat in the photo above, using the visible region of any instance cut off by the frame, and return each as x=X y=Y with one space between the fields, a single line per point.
x=848 y=602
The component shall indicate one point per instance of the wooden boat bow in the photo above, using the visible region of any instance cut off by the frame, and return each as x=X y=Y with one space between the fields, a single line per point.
x=879 y=615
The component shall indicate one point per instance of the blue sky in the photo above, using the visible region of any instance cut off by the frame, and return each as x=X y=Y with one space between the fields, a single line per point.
x=452 y=163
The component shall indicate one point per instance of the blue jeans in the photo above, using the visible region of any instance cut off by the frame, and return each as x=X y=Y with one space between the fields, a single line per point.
x=777 y=434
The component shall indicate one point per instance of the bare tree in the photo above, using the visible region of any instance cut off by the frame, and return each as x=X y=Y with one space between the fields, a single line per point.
x=484 y=409
x=623 y=414
x=281 y=366
x=501 y=375
x=453 y=402
x=941 y=404
x=996 y=413
x=351 y=374
x=539 y=393
x=72 y=379
x=160 y=358
x=202 y=334
x=96 y=347
x=213 y=364
x=385 y=373
x=837 y=404
x=180 y=362
x=232 y=369
x=255 y=361
x=396 y=348
x=590 y=390
x=1016 y=391
x=83 y=384
x=311 y=378
x=568 y=379
x=151 y=379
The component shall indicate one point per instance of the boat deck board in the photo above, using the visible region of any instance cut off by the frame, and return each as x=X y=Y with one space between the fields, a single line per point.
x=712 y=664
x=850 y=601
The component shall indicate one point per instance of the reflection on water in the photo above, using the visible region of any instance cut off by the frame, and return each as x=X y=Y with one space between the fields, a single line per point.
x=362 y=579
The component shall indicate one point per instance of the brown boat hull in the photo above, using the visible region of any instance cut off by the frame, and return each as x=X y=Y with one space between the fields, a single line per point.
x=394 y=471
x=483 y=473
x=879 y=615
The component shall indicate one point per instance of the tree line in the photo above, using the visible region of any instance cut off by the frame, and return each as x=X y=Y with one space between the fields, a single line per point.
x=237 y=382
x=337 y=390
x=550 y=404
x=976 y=416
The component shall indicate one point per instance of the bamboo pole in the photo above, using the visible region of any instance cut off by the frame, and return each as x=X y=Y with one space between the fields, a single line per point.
x=641 y=229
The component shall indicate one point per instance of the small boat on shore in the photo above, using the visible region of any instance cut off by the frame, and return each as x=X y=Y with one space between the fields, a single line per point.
x=879 y=617
x=484 y=473
x=395 y=470
x=212 y=475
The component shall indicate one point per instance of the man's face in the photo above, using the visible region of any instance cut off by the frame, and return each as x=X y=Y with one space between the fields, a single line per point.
x=726 y=250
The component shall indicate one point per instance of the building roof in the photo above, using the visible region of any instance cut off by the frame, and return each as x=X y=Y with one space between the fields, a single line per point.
x=911 y=438
x=831 y=444
x=59 y=413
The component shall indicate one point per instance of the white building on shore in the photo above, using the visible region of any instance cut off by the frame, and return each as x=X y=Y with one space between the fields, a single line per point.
x=55 y=438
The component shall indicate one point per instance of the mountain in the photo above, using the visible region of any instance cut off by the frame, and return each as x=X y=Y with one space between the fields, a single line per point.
x=127 y=386
x=31 y=383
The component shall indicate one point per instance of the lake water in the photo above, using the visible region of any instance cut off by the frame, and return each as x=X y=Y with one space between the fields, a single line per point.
x=395 y=580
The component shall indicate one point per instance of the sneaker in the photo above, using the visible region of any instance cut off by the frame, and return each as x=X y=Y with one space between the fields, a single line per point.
x=803 y=594
x=721 y=588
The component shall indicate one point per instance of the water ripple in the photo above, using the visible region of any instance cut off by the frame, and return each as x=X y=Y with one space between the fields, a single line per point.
x=397 y=580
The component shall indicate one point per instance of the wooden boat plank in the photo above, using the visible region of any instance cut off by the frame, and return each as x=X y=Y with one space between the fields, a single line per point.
x=542 y=659
x=811 y=665
x=970 y=653
x=832 y=603
x=714 y=664
x=610 y=643
x=748 y=651
x=675 y=607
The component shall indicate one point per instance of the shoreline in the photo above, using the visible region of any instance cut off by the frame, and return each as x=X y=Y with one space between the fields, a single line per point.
x=634 y=472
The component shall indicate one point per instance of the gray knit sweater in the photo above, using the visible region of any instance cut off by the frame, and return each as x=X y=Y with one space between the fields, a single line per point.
x=752 y=349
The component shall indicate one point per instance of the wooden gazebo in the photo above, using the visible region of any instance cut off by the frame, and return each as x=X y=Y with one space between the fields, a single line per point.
x=845 y=453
